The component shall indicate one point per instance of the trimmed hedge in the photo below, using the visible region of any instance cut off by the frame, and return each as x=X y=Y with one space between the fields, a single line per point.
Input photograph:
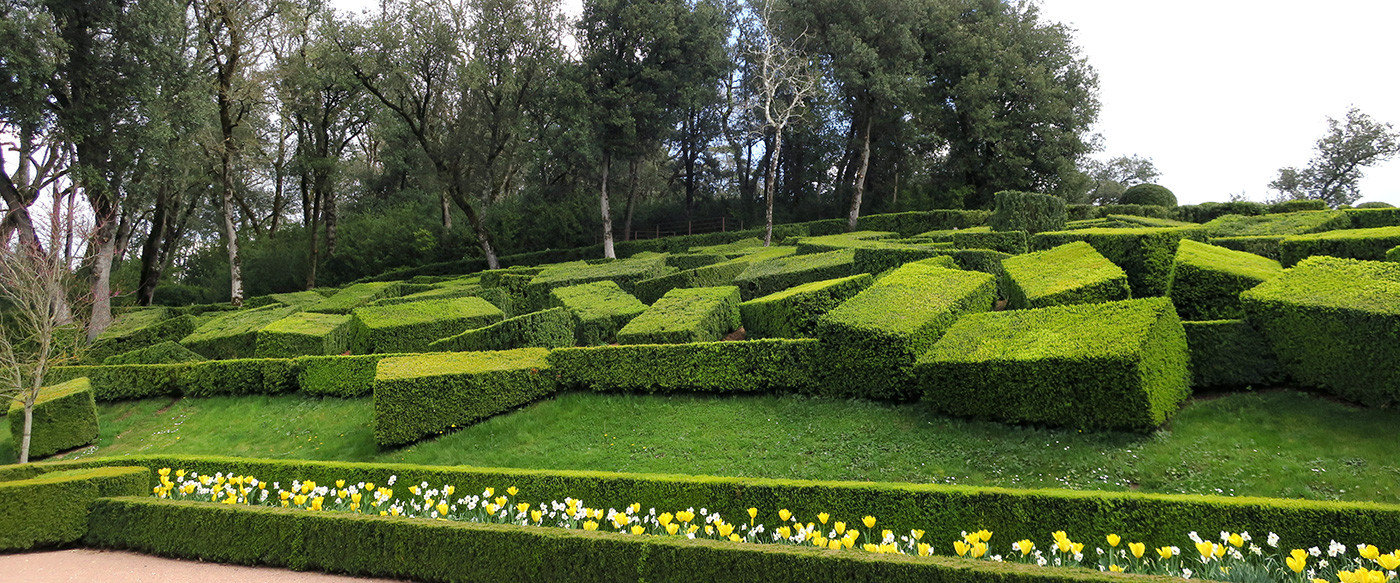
x=1293 y=206
x=301 y=299
x=428 y=394
x=234 y=334
x=164 y=353
x=339 y=376
x=685 y=315
x=1148 y=221
x=719 y=274
x=874 y=338
x=52 y=509
x=1300 y=223
x=1369 y=244
x=1073 y=273
x=1335 y=325
x=551 y=328
x=793 y=313
x=1118 y=366
x=1207 y=211
x=777 y=274
x=1013 y=242
x=1261 y=245
x=757 y=366
x=252 y=376
x=1209 y=280
x=304 y=334
x=113 y=342
x=1028 y=211
x=411 y=327
x=65 y=417
x=1370 y=218
x=1148 y=255
x=442 y=292
x=126 y=381
x=1231 y=354
x=852 y=240
x=355 y=296
x=909 y=223
x=624 y=272
x=600 y=309
x=1393 y=254
x=878 y=259
x=1148 y=195
x=692 y=260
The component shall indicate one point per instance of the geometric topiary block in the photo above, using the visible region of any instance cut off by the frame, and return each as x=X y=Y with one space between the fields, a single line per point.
x=164 y=353
x=1230 y=353
x=234 y=334
x=1209 y=280
x=702 y=314
x=774 y=275
x=793 y=313
x=1073 y=273
x=1283 y=224
x=551 y=328
x=1393 y=255
x=52 y=509
x=411 y=327
x=1335 y=325
x=1117 y=365
x=141 y=329
x=65 y=417
x=624 y=272
x=600 y=309
x=355 y=296
x=422 y=395
x=1369 y=244
x=1028 y=211
x=1261 y=245
x=305 y=334
x=1147 y=255
x=716 y=275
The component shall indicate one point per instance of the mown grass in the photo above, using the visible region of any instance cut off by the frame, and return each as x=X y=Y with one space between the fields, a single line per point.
x=1275 y=443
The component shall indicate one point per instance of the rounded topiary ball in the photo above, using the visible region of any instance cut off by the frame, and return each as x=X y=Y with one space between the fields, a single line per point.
x=1375 y=204
x=1148 y=194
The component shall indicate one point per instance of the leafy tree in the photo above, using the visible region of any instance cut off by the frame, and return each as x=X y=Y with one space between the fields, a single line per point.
x=1335 y=171
x=1108 y=179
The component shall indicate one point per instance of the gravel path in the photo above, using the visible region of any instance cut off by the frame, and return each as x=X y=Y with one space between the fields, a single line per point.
x=90 y=565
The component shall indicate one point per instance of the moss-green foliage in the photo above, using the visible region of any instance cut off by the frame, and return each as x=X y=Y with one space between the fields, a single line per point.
x=411 y=327
x=1261 y=245
x=1209 y=280
x=716 y=275
x=1370 y=218
x=301 y=299
x=1073 y=273
x=234 y=334
x=65 y=417
x=116 y=340
x=1335 y=325
x=338 y=376
x=1230 y=354
x=1299 y=223
x=126 y=381
x=441 y=292
x=1118 y=365
x=793 y=313
x=1293 y=206
x=600 y=309
x=693 y=260
x=877 y=259
x=1148 y=195
x=909 y=223
x=624 y=272
x=739 y=247
x=304 y=334
x=1148 y=221
x=135 y=320
x=1207 y=211
x=52 y=509
x=981 y=238
x=550 y=328
x=1028 y=211
x=355 y=296
x=685 y=315
x=772 y=365
x=776 y=274
x=1351 y=243
x=422 y=395
x=164 y=353
x=1147 y=255
x=853 y=240
x=1393 y=255
x=874 y=338
x=249 y=376
x=499 y=277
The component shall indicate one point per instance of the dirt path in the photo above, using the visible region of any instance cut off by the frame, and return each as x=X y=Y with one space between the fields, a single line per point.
x=89 y=565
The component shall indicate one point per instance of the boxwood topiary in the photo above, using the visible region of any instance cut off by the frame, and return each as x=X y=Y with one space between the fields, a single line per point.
x=234 y=334
x=755 y=366
x=793 y=313
x=1209 y=280
x=411 y=327
x=1028 y=211
x=764 y=277
x=304 y=334
x=52 y=509
x=599 y=309
x=1370 y=244
x=1230 y=354
x=1147 y=255
x=164 y=353
x=1073 y=273
x=551 y=328
x=1148 y=195
x=64 y=417
x=685 y=315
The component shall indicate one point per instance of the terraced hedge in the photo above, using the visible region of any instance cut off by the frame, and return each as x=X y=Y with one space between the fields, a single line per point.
x=164 y=353
x=1148 y=255
x=1209 y=280
x=756 y=366
x=600 y=309
x=357 y=295
x=234 y=334
x=774 y=275
x=1230 y=354
x=411 y=327
x=551 y=328
x=64 y=417
x=793 y=313
x=1262 y=245
x=119 y=340
x=877 y=259
x=716 y=275
x=304 y=334
x=428 y=394
x=1285 y=224
x=52 y=509
x=1370 y=244
x=852 y=240
x=624 y=272
x=1073 y=273
x=685 y=315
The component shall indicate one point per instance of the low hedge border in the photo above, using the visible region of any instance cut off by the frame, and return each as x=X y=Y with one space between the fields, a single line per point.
x=1230 y=354
x=551 y=328
x=1262 y=245
x=411 y=327
x=716 y=275
x=1372 y=218
x=339 y=376
x=1073 y=273
x=755 y=366
x=774 y=275
x=701 y=314
x=1285 y=224
x=64 y=417
x=793 y=313
x=1369 y=244
x=167 y=352
x=51 y=509
x=304 y=334
x=355 y=296
x=234 y=334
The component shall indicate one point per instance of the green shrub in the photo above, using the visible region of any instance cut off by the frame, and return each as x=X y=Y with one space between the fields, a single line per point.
x=756 y=366
x=874 y=338
x=1372 y=217
x=65 y=417
x=1299 y=223
x=600 y=309
x=909 y=223
x=1148 y=195
x=1375 y=204
x=1393 y=254
x=1148 y=221
x=773 y=275
x=685 y=315
x=338 y=376
x=135 y=320
x=1147 y=255
x=422 y=395
x=1335 y=325
x=304 y=334
x=1293 y=206
x=1207 y=211
x=692 y=260
x=250 y=376
x=52 y=509
x=878 y=259
x=234 y=334
x=508 y=276
x=624 y=272
x=717 y=275
x=1073 y=273
x=551 y=328
x=442 y=292
x=1028 y=211
x=1261 y=245
x=126 y=381
x=843 y=241
x=355 y=296
x=301 y=299
x=1369 y=244
x=1231 y=354
x=793 y=313
x=1118 y=366
x=1136 y=210
x=1012 y=242
x=731 y=250
x=411 y=327
x=1209 y=280
x=164 y=353
x=117 y=341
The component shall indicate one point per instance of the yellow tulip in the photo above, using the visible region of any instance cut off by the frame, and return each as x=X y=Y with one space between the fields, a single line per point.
x=917 y=534
x=1164 y=552
x=383 y=513
x=685 y=515
x=590 y=525
x=735 y=538
x=1115 y=568
x=355 y=498
x=638 y=529
x=1206 y=548
x=500 y=500
x=180 y=473
x=869 y=548
x=1315 y=580
x=522 y=507
x=823 y=517
x=1389 y=561
x=784 y=515
x=984 y=535
x=1370 y=552
x=961 y=547
x=1138 y=549
x=1113 y=540
x=978 y=550
x=315 y=503
x=869 y=521
x=725 y=529
x=488 y=493
x=672 y=528
x=848 y=542
x=664 y=519
x=448 y=490
x=885 y=534
x=369 y=486
x=340 y=483
x=819 y=541
x=753 y=513
x=1026 y=546
x=442 y=508
x=489 y=507
x=512 y=491
x=691 y=529
x=840 y=527
x=1297 y=563
x=299 y=500
x=784 y=532
x=1077 y=547
x=636 y=507
x=395 y=511
x=834 y=545
x=924 y=549
x=1219 y=551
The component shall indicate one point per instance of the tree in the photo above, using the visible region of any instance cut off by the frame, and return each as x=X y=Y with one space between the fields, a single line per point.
x=1108 y=179
x=1335 y=171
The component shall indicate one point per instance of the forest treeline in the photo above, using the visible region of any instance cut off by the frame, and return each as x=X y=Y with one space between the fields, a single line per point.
x=236 y=147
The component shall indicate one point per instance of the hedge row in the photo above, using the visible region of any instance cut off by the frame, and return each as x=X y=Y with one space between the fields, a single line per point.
x=1393 y=254
x=909 y=223
x=1013 y=242
x=685 y=261
x=719 y=274
x=357 y=295
x=1373 y=217
x=1209 y=280
x=1079 y=212
x=843 y=241
x=301 y=299
x=1300 y=223
x=624 y=272
x=340 y=376
x=700 y=314
x=234 y=334
x=1231 y=354
x=1028 y=211
x=411 y=327
x=776 y=274
x=164 y=353
x=421 y=395
x=1371 y=244
x=1073 y=273
x=600 y=309
x=551 y=328
x=1118 y=365
x=1335 y=325
x=52 y=509
x=762 y=366
x=1148 y=255
x=1261 y=245
x=304 y=334
x=64 y=417
x=877 y=259
x=793 y=313
x=111 y=343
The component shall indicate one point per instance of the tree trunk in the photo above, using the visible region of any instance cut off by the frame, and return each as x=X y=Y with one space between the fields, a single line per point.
x=690 y=153
x=332 y=220
x=28 y=432
x=17 y=216
x=859 y=191
x=235 y=263
x=769 y=182
x=105 y=244
x=150 y=250
x=446 y=213
x=631 y=200
x=607 y=214
x=311 y=210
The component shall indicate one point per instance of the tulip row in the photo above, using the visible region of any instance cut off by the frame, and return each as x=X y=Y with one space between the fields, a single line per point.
x=1235 y=557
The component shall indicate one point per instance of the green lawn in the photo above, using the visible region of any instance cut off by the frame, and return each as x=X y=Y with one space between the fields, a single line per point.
x=1276 y=443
